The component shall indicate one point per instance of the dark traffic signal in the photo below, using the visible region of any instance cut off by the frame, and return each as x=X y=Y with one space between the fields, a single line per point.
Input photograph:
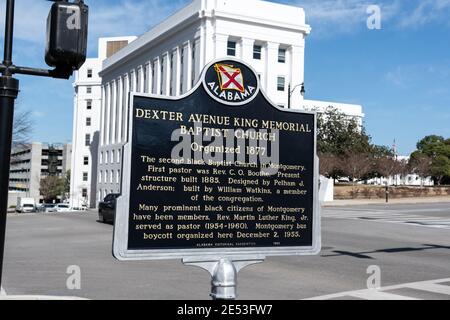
x=67 y=28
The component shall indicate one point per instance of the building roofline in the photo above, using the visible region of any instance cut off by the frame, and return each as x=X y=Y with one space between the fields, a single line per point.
x=191 y=13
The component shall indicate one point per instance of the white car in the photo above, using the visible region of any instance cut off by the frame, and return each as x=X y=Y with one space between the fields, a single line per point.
x=61 y=207
x=28 y=208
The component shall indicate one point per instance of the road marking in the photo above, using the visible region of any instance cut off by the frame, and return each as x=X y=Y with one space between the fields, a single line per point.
x=374 y=294
x=400 y=217
x=433 y=286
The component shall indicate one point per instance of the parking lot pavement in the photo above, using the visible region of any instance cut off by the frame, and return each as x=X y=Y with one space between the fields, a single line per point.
x=40 y=249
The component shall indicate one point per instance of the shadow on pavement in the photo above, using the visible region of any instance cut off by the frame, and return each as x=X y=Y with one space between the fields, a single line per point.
x=365 y=255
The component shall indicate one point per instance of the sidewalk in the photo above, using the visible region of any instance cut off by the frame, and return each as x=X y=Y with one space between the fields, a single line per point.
x=360 y=202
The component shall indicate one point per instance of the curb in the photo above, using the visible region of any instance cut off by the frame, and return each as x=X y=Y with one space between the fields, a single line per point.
x=342 y=203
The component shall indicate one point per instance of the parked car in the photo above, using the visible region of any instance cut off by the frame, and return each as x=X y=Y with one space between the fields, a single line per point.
x=61 y=207
x=107 y=208
x=47 y=207
x=28 y=208
x=25 y=205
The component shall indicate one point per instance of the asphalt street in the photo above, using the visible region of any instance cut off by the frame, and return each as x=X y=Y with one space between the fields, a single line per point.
x=409 y=243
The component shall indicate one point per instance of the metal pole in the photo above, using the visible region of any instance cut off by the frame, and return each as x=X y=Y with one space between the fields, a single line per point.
x=9 y=89
x=387 y=192
x=224 y=273
x=289 y=96
x=9 y=27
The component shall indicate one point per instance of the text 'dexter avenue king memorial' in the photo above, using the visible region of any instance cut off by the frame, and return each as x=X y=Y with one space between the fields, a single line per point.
x=218 y=171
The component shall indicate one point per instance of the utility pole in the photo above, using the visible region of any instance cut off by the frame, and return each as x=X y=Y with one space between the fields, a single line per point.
x=66 y=52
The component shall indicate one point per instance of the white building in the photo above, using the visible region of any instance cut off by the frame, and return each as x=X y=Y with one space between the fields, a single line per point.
x=86 y=124
x=168 y=59
x=351 y=110
x=410 y=180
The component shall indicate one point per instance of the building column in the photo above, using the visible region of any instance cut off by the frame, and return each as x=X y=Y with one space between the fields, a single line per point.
x=148 y=70
x=178 y=71
x=158 y=75
x=202 y=58
x=107 y=114
x=125 y=109
x=247 y=49
x=113 y=112
x=271 y=58
x=120 y=109
x=220 y=46
x=168 y=72
x=296 y=67
x=189 y=66
x=208 y=47
x=102 y=117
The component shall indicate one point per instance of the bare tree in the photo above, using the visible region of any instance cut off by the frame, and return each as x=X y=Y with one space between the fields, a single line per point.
x=22 y=127
x=389 y=167
x=51 y=187
x=328 y=164
x=421 y=165
x=356 y=166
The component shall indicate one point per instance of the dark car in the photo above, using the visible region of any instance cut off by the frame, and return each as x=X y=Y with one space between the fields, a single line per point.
x=107 y=208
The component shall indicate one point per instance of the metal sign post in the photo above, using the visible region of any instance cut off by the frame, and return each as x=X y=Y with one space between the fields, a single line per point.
x=224 y=273
x=220 y=178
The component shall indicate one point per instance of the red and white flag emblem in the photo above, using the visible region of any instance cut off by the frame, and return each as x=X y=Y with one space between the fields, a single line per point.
x=230 y=78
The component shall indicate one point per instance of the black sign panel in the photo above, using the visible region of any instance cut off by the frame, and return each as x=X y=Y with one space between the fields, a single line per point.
x=218 y=170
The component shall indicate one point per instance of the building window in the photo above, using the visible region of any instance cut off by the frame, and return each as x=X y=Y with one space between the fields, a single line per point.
x=111 y=178
x=231 y=48
x=118 y=177
x=88 y=122
x=89 y=73
x=87 y=140
x=118 y=156
x=85 y=176
x=86 y=161
x=100 y=177
x=257 y=52
x=89 y=104
x=106 y=157
x=282 y=55
x=89 y=90
x=113 y=154
x=84 y=193
x=281 y=83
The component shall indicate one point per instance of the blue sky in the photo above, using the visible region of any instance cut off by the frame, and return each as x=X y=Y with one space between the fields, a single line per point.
x=400 y=74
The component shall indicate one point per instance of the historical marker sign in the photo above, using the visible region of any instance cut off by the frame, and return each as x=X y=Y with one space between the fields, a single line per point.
x=220 y=171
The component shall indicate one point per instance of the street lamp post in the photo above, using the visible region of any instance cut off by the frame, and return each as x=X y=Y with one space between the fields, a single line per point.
x=71 y=44
x=291 y=91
